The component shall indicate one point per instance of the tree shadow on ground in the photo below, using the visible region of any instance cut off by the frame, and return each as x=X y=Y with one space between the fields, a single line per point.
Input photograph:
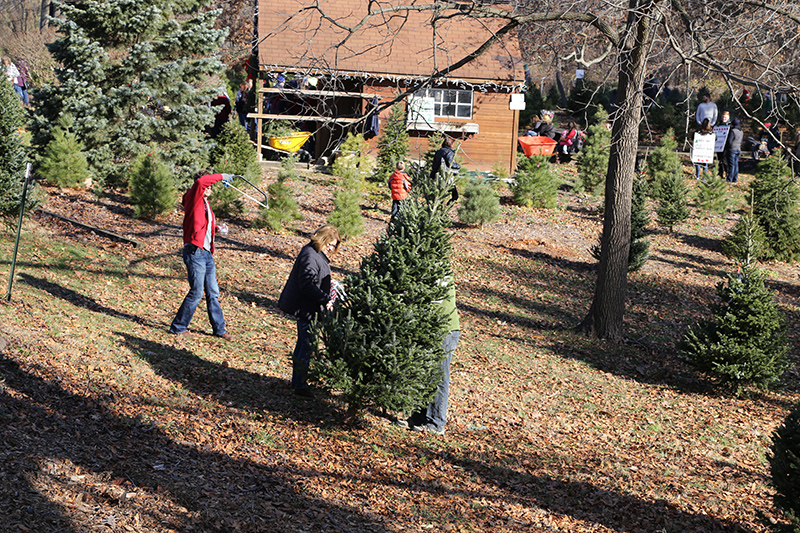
x=701 y=242
x=74 y=448
x=230 y=386
x=588 y=502
x=697 y=263
x=85 y=302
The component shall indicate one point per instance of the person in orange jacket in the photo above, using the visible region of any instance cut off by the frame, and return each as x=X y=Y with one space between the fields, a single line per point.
x=399 y=185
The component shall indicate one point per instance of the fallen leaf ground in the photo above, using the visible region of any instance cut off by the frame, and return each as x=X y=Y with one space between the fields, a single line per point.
x=108 y=423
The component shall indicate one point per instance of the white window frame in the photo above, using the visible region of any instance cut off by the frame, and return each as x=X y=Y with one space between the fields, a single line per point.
x=444 y=97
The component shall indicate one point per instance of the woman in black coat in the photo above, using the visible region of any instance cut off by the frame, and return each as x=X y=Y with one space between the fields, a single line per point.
x=306 y=293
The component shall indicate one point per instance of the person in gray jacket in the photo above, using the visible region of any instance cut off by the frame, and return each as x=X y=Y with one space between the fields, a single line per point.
x=733 y=149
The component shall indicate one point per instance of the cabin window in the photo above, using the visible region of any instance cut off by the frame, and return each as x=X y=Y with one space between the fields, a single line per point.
x=449 y=103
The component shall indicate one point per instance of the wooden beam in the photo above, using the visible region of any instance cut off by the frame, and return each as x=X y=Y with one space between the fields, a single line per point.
x=312 y=118
x=314 y=92
x=99 y=231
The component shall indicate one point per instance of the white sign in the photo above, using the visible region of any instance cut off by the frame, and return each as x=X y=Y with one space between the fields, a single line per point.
x=421 y=109
x=580 y=74
x=722 y=137
x=517 y=102
x=703 y=148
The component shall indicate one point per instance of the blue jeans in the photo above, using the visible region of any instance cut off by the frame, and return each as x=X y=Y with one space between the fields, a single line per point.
x=301 y=357
x=436 y=413
x=202 y=278
x=697 y=169
x=733 y=166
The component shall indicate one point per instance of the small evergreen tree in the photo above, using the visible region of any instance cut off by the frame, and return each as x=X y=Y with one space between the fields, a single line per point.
x=536 y=185
x=282 y=205
x=63 y=162
x=664 y=162
x=382 y=346
x=593 y=159
x=351 y=165
x=12 y=154
x=480 y=203
x=434 y=143
x=639 y=249
x=745 y=244
x=746 y=342
x=784 y=462
x=672 y=198
x=233 y=154
x=392 y=145
x=774 y=203
x=152 y=186
x=712 y=194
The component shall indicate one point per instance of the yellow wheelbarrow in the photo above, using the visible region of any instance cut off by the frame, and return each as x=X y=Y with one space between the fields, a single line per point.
x=290 y=144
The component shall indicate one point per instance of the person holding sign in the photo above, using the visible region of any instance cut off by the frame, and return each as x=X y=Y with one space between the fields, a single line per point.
x=703 y=147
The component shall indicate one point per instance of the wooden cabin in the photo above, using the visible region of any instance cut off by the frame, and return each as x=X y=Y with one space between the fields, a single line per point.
x=341 y=65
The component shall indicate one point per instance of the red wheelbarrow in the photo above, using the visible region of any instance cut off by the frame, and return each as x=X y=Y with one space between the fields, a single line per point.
x=537 y=145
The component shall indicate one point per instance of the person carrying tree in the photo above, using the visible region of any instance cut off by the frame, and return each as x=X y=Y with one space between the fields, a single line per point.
x=399 y=185
x=307 y=293
x=434 y=417
x=199 y=226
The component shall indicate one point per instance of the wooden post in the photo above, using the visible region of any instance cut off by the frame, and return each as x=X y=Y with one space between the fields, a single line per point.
x=260 y=107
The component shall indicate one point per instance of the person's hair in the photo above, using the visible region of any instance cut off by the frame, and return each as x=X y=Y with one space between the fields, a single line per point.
x=446 y=142
x=571 y=125
x=324 y=236
x=401 y=165
x=705 y=126
x=6 y=61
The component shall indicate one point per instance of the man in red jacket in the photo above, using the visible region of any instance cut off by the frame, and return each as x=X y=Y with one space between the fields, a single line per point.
x=199 y=226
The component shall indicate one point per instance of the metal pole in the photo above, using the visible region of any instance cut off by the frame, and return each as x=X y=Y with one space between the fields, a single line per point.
x=19 y=230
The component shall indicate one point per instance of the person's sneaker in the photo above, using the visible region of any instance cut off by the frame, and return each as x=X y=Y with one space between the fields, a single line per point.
x=304 y=393
x=225 y=336
x=401 y=423
x=430 y=428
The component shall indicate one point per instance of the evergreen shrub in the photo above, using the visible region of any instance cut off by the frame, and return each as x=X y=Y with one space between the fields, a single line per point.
x=593 y=159
x=392 y=145
x=672 y=208
x=63 y=162
x=152 y=186
x=536 y=185
x=282 y=205
x=745 y=244
x=351 y=165
x=746 y=341
x=233 y=154
x=480 y=203
x=712 y=194
x=774 y=197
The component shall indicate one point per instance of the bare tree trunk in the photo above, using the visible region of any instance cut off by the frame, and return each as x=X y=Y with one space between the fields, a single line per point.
x=604 y=319
x=43 y=12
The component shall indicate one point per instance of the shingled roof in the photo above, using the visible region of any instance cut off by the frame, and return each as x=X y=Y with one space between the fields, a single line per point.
x=293 y=36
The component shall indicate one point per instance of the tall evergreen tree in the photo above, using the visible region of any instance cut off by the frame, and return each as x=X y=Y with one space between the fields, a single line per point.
x=131 y=74
x=12 y=153
x=393 y=144
x=382 y=346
